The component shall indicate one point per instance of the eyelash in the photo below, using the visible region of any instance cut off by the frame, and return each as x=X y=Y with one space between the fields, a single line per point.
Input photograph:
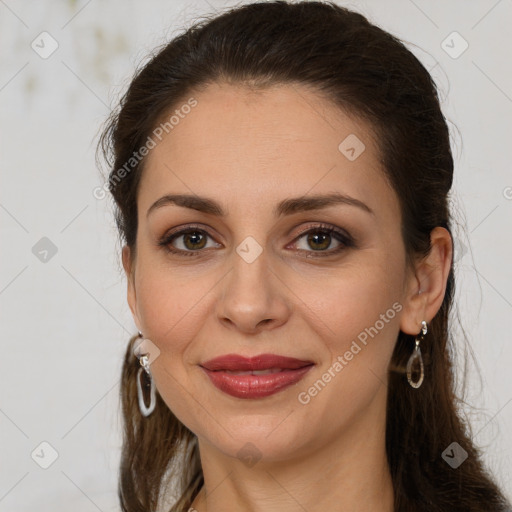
x=345 y=240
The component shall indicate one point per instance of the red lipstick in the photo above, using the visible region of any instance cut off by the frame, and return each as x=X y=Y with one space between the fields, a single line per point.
x=254 y=377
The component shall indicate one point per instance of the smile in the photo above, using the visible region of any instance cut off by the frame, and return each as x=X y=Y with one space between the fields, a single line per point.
x=255 y=377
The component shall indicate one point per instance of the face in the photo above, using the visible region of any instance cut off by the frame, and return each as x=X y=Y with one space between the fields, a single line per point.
x=277 y=273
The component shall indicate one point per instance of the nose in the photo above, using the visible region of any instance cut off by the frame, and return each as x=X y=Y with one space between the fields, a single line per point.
x=252 y=297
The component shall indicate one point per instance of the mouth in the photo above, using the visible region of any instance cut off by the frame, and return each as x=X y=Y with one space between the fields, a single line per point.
x=255 y=377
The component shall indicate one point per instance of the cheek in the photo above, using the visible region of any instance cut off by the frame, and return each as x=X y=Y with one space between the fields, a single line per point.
x=169 y=303
x=357 y=314
x=360 y=323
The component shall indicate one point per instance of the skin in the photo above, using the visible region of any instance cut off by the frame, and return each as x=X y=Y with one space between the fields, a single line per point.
x=249 y=150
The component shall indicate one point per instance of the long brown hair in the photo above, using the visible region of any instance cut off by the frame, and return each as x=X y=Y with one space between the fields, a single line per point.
x=367 y=72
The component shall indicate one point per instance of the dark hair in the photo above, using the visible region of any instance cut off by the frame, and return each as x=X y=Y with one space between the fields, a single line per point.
x=369 y=73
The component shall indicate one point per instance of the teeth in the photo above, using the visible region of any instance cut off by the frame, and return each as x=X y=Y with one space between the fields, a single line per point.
x=254 y=372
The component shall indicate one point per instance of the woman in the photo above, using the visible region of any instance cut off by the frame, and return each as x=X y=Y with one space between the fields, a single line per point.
x=281 y=174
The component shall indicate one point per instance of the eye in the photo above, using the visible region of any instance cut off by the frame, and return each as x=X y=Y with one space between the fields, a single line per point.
x=187 y=241
x=321 y=237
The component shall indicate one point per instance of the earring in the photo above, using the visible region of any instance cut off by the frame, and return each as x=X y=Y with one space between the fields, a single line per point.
x=144 y=373
x=416 y=359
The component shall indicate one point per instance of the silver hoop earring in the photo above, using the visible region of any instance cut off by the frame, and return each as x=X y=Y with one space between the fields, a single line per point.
x=416 y=360
x=144 y=373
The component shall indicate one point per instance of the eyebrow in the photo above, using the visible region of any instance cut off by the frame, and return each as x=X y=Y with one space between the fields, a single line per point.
x=285 y=207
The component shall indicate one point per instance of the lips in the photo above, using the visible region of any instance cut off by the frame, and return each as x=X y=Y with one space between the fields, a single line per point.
x=255 y=377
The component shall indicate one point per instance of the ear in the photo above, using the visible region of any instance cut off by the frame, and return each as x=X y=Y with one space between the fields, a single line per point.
x=426 y=285
x=130 y=277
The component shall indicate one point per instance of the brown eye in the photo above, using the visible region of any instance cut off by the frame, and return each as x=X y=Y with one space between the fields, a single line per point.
x=319 y=239
x=194 y=240
x=187 y=242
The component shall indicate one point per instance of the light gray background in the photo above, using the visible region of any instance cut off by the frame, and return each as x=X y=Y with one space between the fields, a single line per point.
x=65 y=322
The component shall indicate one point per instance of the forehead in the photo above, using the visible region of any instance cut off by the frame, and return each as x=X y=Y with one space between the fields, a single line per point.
x=250 y=148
